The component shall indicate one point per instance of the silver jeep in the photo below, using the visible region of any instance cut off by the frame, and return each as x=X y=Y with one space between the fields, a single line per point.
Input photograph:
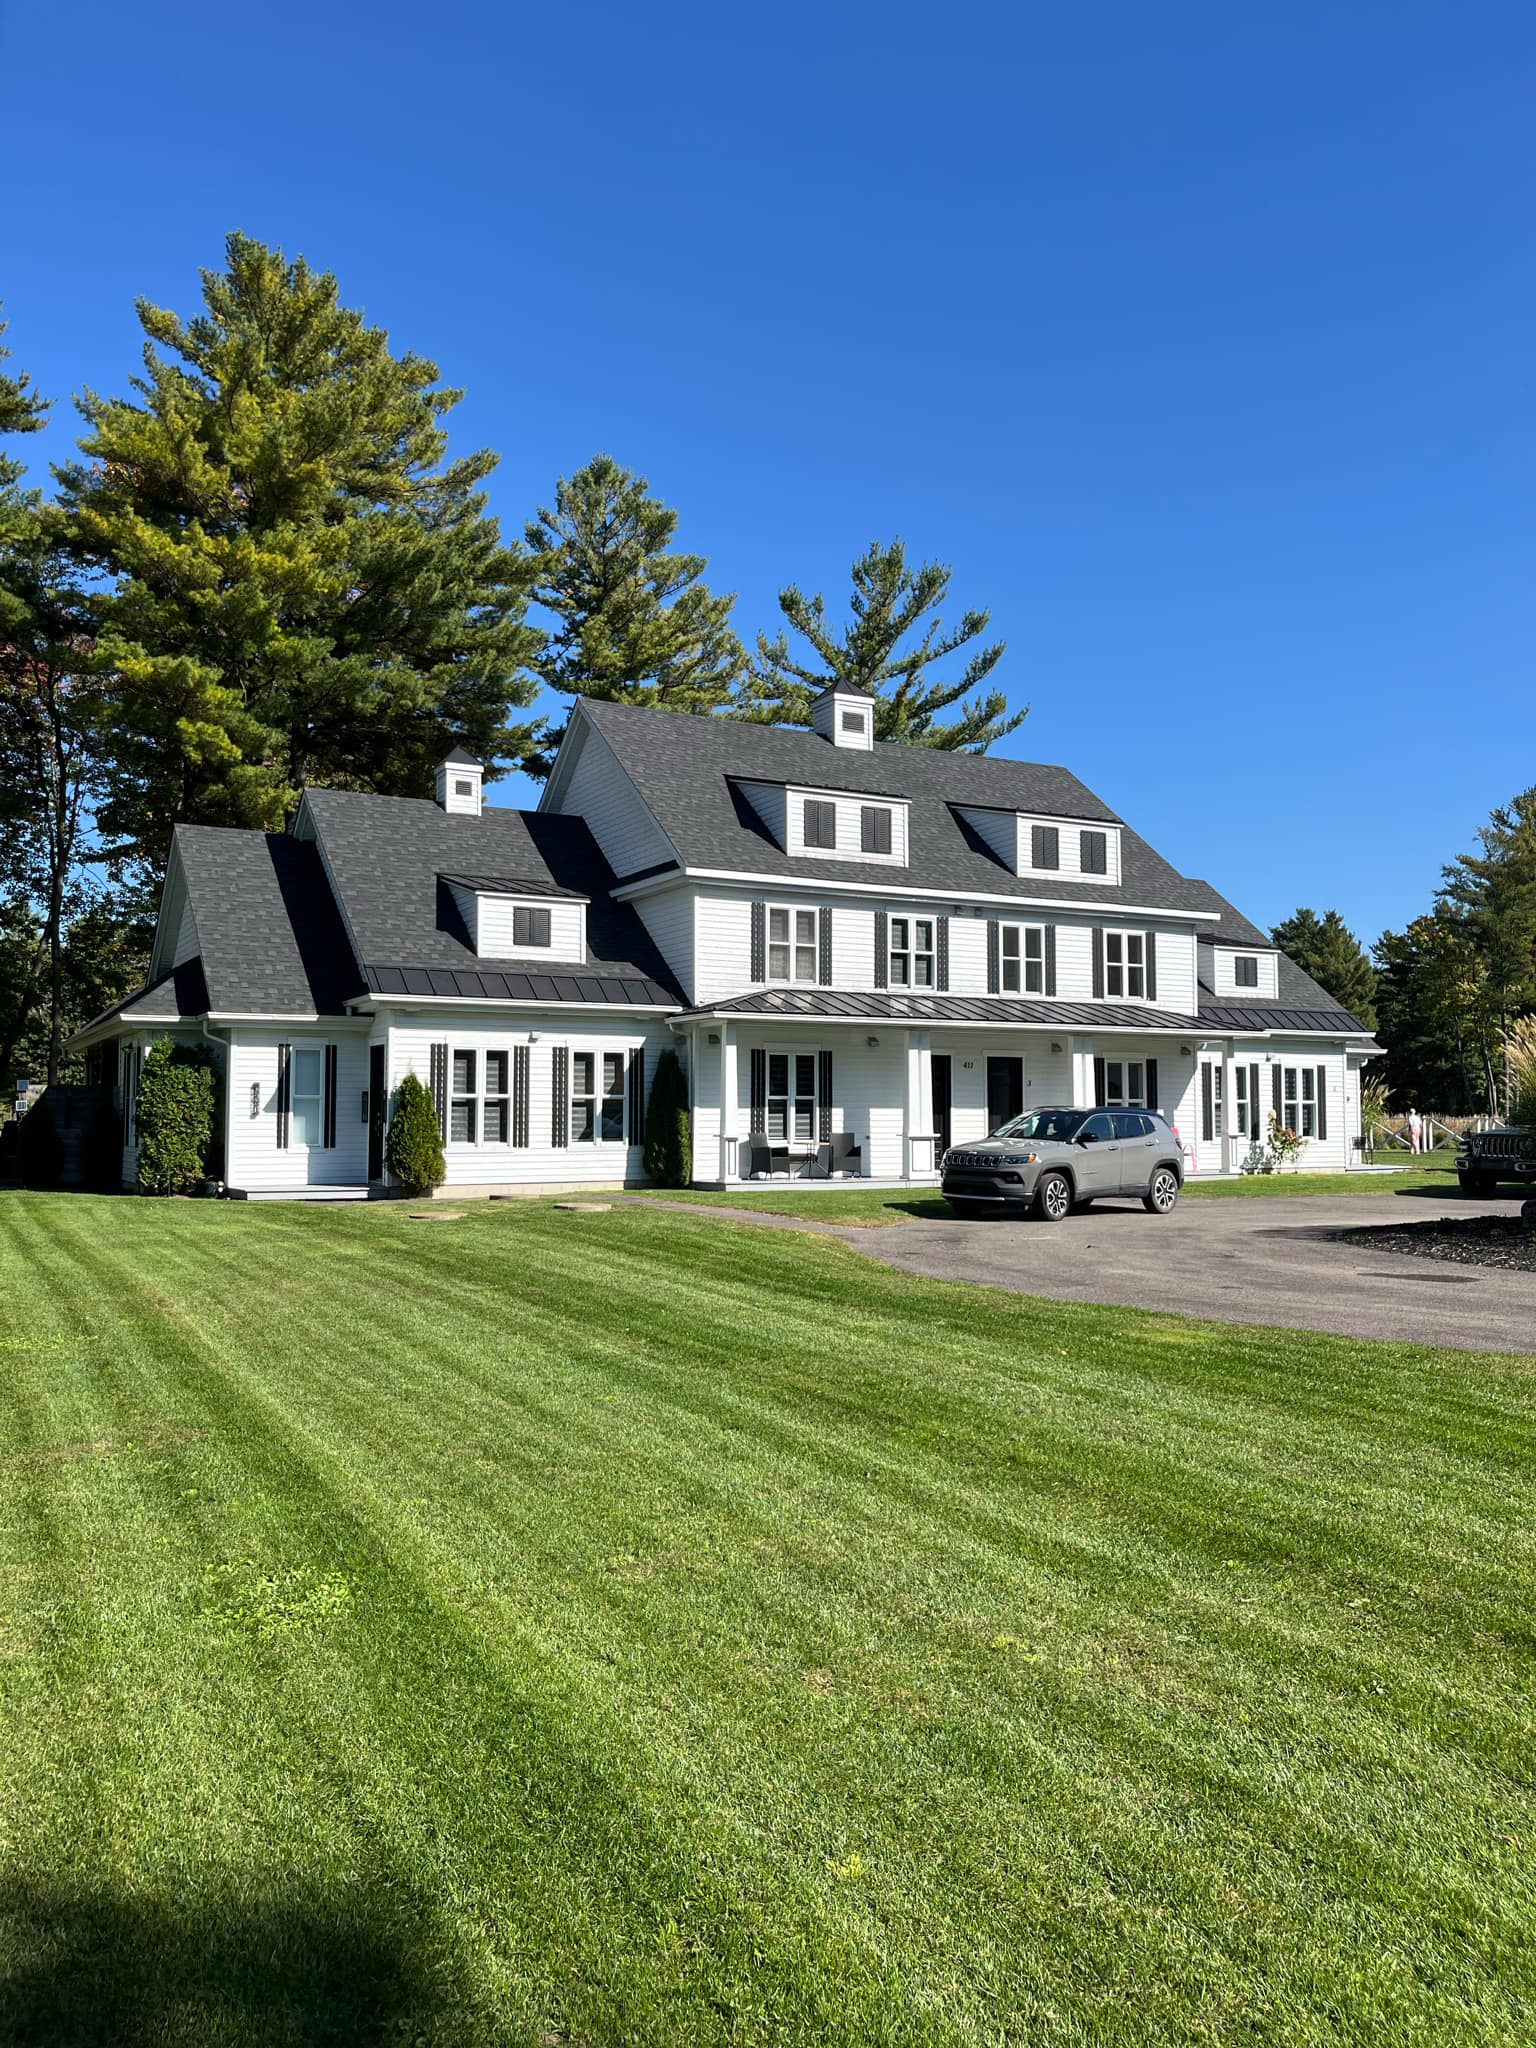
x=1055 y=1160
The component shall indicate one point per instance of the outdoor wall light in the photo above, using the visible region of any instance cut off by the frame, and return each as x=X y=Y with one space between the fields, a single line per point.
x=255 y=1098
x=1054 y=1046
x=714 y=1038
x=1186 y=1050
x=871 y=1041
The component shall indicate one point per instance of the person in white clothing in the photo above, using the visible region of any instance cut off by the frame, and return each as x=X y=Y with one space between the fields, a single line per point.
x=1415 y=1131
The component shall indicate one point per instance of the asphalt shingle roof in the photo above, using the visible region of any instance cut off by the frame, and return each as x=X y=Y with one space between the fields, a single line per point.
x=268 y=934
x=391 y=858
x=691 y=783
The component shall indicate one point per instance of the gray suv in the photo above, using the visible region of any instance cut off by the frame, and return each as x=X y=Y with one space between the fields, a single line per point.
x=1052 y=1160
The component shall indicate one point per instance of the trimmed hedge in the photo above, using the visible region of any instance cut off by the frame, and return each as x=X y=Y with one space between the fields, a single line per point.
x=413 y=1148
x=668 y=1131
x=174 y=1115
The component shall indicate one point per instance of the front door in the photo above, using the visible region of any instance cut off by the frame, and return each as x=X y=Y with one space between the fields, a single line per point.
x=1244 y=1124
x=1212 y=1153
x=376 y=1094
x=941 y=1084
x=1005 y=1089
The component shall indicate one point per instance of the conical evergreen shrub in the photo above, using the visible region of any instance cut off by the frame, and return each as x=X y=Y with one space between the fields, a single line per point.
x=668 y=1132
x=413 y=1148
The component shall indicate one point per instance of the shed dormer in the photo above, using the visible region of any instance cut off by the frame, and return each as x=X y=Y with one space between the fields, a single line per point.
x=458 y=783
x=845 y=715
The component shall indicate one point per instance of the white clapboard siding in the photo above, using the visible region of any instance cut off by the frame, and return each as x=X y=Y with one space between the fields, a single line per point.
x=849 y=815
x=669 y=916
x=599 y=791
x=253 y=1159
x=492 y=924
x=1222 y=966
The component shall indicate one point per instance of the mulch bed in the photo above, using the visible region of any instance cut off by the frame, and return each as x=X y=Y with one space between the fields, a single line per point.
x=1502 y=1241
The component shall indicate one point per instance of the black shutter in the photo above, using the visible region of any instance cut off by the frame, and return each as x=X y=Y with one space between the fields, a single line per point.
x=994 y=957
x=823 y=1096
x=824 y=945
x=941 y=967
x=637 y=1096
x=1093 y=855
x=759 y=942
x=1099 y=1089
x=1253 y=1101
x=1044 y=846
x=284 y=1094
x=520 y=1095
x=1207 y=1111
x=757 y=1120
x=1150 y=943
x=560 y=1104
x=1098 y=961
x=439 y=1075
x=1322 y=1102
x=1050 y=959
x=882 y=949
x=1152 y=1084
x=329 y=1138
x=1279 y=1099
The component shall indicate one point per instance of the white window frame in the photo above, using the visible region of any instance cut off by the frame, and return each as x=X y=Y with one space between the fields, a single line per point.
x=315 y=1095
x=1244 y=1123
x=598 y=1095
x=466 y=1098
x=498 y=1098
x=1298 y=1100
x=792 y=945
x=918 y=958
x=1028 y=976
x=791 y=1096
x=1130 y=967
x=1120 y=1078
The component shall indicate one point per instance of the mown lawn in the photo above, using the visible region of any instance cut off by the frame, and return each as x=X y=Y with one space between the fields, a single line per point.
x=876 y=1206
x=546 y=1628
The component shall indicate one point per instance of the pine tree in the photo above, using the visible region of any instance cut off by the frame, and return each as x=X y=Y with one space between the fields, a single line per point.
x=306 y=589
x=22 y=411
x=1328 y=950
x=1434 y=1015
x=634 y=624
x=890 y=603
x=668 y=1129
x=1492 y=894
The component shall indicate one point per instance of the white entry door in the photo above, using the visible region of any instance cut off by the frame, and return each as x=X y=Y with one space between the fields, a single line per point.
x=1239 y=1136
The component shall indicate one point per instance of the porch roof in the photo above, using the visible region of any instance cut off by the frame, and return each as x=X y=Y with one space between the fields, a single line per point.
x=888 y=1007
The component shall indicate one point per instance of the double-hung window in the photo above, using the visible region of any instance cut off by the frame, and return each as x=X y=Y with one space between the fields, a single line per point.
x=1298 y=1100
x=911 y=952
x=791 y=944
x=1022 y=959
x=495 y=1120
x=1125 y=1083
x=597 y=1098
x=791 y=1106
x=462 y=1104
x=1125 y=965
x=820 y=822
x=306 y=1095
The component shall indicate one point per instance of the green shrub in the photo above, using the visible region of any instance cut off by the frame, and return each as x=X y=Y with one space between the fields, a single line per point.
x=668 y=1133
x=39 y=1148
x=413 y=1149
x=101 y=1146
x=174 y=1115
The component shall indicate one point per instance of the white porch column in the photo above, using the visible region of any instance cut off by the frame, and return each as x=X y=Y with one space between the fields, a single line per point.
x=1082 y=1073
x=728 y=1098
x=918 y=1148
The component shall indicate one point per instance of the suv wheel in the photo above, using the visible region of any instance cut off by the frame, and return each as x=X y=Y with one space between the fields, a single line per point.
x=1053 y=1197
x=1163 y=1193
x=1480 y=1186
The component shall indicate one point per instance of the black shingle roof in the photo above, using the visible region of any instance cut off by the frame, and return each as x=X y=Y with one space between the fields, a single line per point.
x=691 y=783
x=267 y=929
x=180 y=993
x=391 y=857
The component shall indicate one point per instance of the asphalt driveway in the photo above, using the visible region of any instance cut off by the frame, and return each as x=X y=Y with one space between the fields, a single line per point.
x=1273 y=1261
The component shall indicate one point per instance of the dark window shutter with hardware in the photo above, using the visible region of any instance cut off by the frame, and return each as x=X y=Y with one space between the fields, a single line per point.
x=1099 y=1089
x=1207 y=1105
x=1151 y=946
x=520 y=1095
x=759 y=942
x=1093 y=853
x=328 y=1138
x=560 y=1105
x=874 y=829
x=941 y=963
x=637 y=1096
x=1322 y=1102
x=757 y=1120
x=824 y=945
x=882 y=949
x=1152 y=1084
x=1044 y=846
x=1253 y=1100
x=1098 y=961
x=823 y=1096
x=284 y=1094
x=1050 y=959
x=820 y=823
x=1276 y=1096
x=438 y=1070
x=994 y=957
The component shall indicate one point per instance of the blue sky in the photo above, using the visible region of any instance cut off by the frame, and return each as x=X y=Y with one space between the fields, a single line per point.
x=1197 y=339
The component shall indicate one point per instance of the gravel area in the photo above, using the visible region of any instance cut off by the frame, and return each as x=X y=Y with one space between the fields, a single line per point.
x=1502 y=1241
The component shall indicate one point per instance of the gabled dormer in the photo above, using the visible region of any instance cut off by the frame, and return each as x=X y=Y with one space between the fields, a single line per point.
x=1241 y=971
x=831 y=824
x=1035 y=844
x=508 y=918
x=845 y=715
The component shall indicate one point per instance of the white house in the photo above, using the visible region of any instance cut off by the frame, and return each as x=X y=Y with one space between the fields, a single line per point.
x=837 y=936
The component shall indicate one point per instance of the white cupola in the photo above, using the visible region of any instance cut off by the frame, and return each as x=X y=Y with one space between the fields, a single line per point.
x=845 y=715
x=458 y=783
